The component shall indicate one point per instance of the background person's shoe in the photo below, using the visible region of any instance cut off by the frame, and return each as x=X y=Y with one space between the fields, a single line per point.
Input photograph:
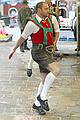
x=39 y=109
x=26 y=48
x=22 y=50
x=29 y=72
x=44 y=103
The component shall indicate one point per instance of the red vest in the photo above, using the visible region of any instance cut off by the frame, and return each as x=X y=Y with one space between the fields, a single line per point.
x=38 y=37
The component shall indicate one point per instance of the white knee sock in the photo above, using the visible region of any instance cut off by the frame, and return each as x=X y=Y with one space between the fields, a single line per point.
x=48 y=81
x=38 y=93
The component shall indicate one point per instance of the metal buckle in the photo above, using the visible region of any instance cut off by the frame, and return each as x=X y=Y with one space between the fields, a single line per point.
x=50 y=49
x=40 y=46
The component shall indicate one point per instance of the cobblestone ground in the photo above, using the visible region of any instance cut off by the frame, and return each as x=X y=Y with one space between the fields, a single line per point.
x=17 y=91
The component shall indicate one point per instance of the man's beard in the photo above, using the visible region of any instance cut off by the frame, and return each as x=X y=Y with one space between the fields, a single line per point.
x=46 y=15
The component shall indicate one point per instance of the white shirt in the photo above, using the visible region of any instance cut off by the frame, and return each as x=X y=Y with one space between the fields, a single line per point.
x=33 y=28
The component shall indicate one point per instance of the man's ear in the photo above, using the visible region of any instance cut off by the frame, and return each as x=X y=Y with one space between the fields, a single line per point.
x=39 y=9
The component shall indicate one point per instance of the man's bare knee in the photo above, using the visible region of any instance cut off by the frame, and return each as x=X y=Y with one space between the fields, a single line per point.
x=54 y=68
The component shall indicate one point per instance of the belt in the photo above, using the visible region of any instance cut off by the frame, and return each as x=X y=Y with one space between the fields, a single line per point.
x=40 y=46
x=48 y=48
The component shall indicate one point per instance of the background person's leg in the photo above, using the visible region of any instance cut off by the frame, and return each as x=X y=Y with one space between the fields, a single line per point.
x=25 y=45
x=22 y=47
x=30 y=65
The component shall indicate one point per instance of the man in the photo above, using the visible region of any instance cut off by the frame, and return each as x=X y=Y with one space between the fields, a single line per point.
x=25 y=14
x=41 y=30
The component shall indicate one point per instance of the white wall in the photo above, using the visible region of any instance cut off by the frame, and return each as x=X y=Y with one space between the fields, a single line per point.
x=1 y=9
x=34 y=2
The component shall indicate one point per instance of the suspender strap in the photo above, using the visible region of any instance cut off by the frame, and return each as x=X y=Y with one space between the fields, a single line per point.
x=45 y=30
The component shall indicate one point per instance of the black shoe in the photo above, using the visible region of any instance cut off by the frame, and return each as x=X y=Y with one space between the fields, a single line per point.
x=22 y=50
x=44 y=103
x=39 y=109
x=29 y=72
x=77 y=49
x=26 y=48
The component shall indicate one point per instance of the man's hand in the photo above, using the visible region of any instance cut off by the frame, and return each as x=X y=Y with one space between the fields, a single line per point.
x=11 y=54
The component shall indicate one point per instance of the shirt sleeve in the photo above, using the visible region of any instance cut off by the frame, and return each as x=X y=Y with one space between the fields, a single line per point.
x=56 y=24
x=29 y=29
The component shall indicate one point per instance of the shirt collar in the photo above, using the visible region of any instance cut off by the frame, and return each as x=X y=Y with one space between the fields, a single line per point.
x=38 y=18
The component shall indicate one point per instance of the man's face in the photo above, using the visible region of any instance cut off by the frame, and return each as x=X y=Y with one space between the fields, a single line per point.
x=44 y=10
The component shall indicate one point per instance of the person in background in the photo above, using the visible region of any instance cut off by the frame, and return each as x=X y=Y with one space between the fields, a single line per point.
x=25 y=14
x=52 y=11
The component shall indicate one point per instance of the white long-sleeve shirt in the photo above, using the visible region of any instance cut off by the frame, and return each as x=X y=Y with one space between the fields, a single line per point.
x=33 y=28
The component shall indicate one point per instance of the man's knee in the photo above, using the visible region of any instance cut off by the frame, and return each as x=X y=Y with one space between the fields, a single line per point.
x=57 y=70
x=54 y=68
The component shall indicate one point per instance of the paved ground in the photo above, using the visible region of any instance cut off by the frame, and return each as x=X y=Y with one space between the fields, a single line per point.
x=17 y=91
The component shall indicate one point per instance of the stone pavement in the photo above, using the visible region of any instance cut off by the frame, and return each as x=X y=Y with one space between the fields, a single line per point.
x=17 y=91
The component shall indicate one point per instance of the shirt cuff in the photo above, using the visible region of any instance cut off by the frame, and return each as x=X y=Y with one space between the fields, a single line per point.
x=58 y=30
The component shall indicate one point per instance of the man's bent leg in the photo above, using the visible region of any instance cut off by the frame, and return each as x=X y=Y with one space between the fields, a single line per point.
x=50 y=77
x=42 y=97
x=54 y=68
